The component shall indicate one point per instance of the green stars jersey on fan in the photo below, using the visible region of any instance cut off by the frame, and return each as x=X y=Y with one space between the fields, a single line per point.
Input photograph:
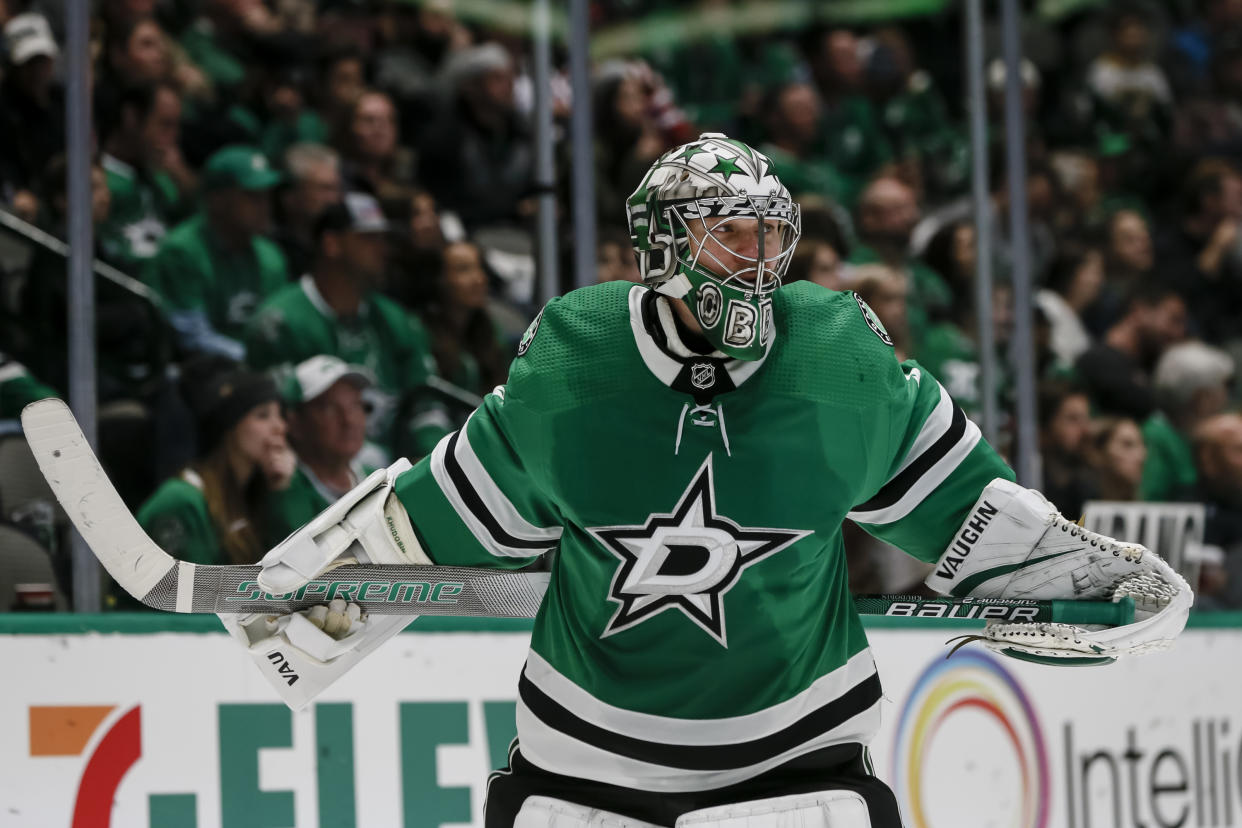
x=297 y=323
x=145 y=203
x=202 y=279
x=698 y=629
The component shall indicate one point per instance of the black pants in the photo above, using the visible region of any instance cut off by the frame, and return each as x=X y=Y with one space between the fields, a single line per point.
x=840 y=767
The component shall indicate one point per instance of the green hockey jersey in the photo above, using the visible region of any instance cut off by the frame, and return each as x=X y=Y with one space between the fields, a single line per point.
x=145 y=203
x=698 y=629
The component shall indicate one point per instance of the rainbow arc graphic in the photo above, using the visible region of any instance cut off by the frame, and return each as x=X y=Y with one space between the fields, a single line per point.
x=969 y=681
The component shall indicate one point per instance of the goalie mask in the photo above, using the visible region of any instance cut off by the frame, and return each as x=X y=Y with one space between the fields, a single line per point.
x=712 y=224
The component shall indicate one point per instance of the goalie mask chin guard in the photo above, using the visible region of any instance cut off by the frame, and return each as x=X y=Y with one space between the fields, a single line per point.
x=712 y=224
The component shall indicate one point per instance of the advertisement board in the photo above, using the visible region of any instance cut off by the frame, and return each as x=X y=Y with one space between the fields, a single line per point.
x=172 y=726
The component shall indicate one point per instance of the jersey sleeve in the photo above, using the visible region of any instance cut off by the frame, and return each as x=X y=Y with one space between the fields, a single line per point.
x=930 y=465
x=477 y=499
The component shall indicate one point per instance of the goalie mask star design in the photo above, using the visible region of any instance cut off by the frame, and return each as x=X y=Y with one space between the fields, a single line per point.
x=713 y=225
x=685 y=560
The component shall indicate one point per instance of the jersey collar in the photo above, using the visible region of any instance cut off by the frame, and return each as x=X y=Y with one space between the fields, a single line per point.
x=325 y=491
x=307 y=283
x=703 y=376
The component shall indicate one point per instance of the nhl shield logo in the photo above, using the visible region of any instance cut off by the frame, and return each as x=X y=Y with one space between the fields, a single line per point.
x=703 y=375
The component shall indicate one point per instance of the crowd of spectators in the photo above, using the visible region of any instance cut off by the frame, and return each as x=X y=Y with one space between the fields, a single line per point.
x=333 y=203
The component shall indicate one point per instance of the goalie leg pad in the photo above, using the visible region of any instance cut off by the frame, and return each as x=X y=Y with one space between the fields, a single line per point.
x=826 y=809
x=549 y=812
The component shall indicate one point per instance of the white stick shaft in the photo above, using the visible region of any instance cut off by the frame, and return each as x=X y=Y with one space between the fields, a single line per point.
x=89 y=498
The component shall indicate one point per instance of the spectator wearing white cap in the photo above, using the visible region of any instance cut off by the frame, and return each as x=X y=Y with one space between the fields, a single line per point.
x=32 y=124
x=1191 y=383
x=327 y=417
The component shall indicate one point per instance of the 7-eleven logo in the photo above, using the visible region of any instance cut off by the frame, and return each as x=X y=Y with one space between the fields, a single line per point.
x=68 y=731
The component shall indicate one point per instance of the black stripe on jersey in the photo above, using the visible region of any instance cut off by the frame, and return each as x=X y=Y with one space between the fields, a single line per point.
x=475 y=503
x=858 y=699
x=693 y=341
x=895 y=489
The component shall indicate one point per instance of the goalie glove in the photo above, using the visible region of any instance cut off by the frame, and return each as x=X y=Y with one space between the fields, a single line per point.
x=1014 y=544
x=302 y=653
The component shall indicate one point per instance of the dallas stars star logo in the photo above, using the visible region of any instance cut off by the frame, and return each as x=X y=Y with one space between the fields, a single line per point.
x=689 y=153
x=686 y=560
x=726 y=167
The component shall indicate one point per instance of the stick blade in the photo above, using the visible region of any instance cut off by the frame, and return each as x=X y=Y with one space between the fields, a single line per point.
x=89 y=498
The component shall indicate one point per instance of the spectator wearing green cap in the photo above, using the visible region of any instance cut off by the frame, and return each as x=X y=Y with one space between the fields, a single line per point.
x=214 y=269
x=215 y=510
x=327 y=419
x=337 y=310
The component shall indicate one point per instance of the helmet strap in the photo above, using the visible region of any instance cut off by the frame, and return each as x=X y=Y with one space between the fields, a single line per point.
x=676 y=287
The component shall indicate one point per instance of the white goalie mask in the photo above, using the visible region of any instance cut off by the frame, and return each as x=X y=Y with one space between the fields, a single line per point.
x=713 y=225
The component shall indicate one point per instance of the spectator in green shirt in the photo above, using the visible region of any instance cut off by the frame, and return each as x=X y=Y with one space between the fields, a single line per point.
x=225 y=35
x=888 y=210
x=214 y=511
x=951 y=352
x=336 y=309
x=850 y=130
x=139 y=127
x=328 y=429
x=214 y=269
x=132 y=345
x=1191 y=383
x=792 y=121
x=914 y=114
x=288 y=118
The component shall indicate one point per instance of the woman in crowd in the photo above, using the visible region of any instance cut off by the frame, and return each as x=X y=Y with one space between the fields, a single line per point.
x=1064 y=432
x=213 y=512
x=951 y=253
x=1117 y=453
x=1074 y=283
x=1128 y=260
x=464 y=339
x=375 y=160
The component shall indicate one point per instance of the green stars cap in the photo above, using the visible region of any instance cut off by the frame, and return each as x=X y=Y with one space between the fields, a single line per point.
x=239 y=166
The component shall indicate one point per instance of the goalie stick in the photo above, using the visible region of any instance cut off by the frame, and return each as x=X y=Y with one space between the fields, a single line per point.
x=162 y=582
